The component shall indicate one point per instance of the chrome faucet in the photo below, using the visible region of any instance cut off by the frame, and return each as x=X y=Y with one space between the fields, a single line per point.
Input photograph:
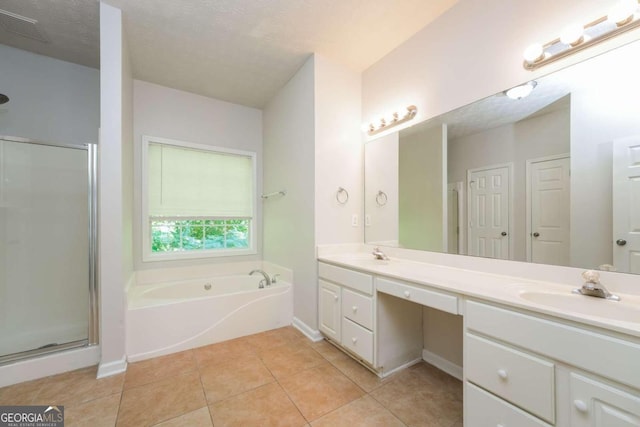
x=593 y=288
x=378 y=254
x=267 y=280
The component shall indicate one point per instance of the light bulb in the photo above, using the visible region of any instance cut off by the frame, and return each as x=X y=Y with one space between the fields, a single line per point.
x=622 y=12
x=533 y=53
x=521 y=91
x=572 y=35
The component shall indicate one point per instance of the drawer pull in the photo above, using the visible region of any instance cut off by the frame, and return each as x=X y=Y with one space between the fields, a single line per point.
x=580 y=405
x=407 y=294
x=502 y=374
x=354 y=308
x=335 y=297
x=354 y=340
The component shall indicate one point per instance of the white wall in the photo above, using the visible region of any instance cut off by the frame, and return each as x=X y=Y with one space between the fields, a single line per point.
x=169 y=113
x=338 y=152
x=289 y=221
x=50 y=100
x=114 y=173
x=471 y=51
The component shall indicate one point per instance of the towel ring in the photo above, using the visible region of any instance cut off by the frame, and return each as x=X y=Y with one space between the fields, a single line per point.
x=381 y=198
x=342 y=196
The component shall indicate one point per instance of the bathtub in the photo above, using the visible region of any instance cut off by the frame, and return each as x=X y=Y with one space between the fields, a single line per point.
x=164 y=318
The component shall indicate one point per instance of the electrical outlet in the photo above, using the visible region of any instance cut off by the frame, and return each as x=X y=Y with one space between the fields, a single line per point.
x=354 y=220
x=367 y=220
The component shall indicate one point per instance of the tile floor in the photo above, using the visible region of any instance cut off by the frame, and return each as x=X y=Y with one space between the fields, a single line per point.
x=275 y=378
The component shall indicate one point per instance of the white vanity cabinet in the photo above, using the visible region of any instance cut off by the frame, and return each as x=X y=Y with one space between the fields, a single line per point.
x=521 y=369
x=346 y=309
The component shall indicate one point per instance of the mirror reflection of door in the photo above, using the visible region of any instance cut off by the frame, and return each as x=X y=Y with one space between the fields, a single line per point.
x=489 y=201
x=626 y=204
x=548 y=210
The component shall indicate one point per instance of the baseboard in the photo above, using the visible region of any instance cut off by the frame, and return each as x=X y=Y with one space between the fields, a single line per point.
x=442 y=364
x=399 y=368
x=112 y=368
x=312 y=334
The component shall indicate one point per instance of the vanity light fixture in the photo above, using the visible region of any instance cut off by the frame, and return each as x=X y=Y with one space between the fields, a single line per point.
x=394 y=119
x=624 y=16
x=521 y=91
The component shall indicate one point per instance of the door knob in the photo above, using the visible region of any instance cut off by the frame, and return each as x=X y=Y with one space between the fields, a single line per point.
x=536 y=234
x=504 y=233
x=621 y=242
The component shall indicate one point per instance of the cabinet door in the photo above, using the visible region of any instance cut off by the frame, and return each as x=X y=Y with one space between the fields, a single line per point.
x=595 y=404
x=329 y=310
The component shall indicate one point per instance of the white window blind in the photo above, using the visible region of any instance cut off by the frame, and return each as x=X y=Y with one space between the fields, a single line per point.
x=187 y=182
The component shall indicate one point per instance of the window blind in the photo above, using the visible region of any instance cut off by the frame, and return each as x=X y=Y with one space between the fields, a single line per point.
x=186 y=182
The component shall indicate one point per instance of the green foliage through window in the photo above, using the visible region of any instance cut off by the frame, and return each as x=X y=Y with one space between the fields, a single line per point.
x=198 y=234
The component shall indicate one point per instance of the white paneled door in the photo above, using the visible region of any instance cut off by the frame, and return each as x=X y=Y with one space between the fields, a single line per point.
x=548 y=210
x=626 y=204
x=489 y=210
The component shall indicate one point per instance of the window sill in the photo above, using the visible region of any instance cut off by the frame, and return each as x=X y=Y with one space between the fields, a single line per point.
x=176 y=256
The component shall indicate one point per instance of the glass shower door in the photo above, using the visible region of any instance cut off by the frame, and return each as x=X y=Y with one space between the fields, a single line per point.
x=45 y=248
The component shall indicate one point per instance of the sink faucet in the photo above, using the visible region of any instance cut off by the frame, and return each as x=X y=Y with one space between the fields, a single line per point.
x=267 y=280
x=378 y=254
x=592 y=287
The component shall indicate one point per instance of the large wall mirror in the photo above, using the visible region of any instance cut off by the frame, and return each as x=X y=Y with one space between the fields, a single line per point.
x=551 y=178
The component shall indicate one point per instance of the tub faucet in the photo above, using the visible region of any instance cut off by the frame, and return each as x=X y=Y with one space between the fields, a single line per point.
x=378 y=254
x=267 y=280
x=593 y=288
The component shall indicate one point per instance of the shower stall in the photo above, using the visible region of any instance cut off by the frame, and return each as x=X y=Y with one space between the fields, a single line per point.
x=48 y=296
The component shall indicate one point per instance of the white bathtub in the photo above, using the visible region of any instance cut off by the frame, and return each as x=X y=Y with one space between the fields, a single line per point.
x=169 y=317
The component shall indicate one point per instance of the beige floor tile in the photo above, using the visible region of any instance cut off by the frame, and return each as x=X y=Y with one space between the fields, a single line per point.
x=438 y=379
x=223 y=352
x=417 y=402
x=277 y=337
x=265 y=407
x=161 y=400
x=100 y=412
x=147 y=371
x=328 y=350
x=320 y=390
x=289 y=359
x=222 y=380
x=198 y=418
x=360 y=375
x=364 y=412
x=75 y=387
x=21 y=394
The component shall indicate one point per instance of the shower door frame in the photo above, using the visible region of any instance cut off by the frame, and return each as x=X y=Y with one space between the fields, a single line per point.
x=93 y=332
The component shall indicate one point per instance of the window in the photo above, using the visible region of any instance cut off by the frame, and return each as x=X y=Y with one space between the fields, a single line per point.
x=198 y=201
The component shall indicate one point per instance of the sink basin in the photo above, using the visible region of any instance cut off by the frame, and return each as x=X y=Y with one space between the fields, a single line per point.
x=591 y=306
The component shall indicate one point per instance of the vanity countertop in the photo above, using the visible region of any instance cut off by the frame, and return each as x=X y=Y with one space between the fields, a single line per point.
x=554 y=299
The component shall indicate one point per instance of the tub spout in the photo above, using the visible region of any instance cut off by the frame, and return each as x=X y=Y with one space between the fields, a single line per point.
x=267 y=279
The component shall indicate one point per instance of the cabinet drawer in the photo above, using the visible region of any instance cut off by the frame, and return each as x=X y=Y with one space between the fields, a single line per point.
x=520 y=378
x=484 y=409
x=357 y=339
x=358 y=308
x=434 y=299
x=558 y=341
x=352 y=279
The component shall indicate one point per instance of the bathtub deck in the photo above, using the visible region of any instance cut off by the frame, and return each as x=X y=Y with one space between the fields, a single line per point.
x=276 y=378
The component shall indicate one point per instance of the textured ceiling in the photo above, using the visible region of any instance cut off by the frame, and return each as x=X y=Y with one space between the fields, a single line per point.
x=72 y=28
x=244 y=51
x=241 y=51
